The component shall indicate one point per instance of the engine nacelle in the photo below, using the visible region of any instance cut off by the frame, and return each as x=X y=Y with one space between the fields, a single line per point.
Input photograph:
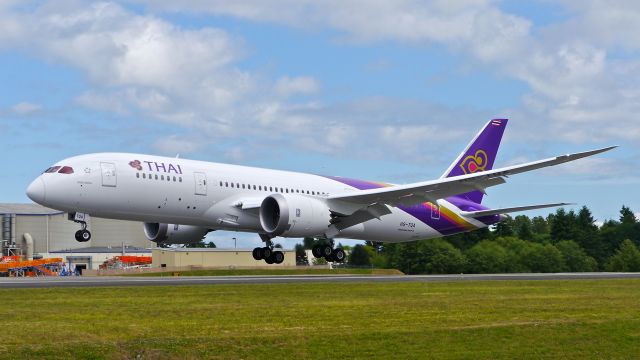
x=294 y=216
x=174 y=233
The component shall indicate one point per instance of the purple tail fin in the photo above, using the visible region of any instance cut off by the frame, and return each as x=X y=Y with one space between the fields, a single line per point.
x=479 y=155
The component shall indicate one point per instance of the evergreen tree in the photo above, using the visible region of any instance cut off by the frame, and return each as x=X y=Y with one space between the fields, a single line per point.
x=523 y=227
x=504 y=228
x=627 y=216
x=539 y=226
x=301 y=255
x=440 y=257
x=575 y=257
x=359 y=256
x=487 y=257
x=587 y=235
x=626 y=258
x=563 y=225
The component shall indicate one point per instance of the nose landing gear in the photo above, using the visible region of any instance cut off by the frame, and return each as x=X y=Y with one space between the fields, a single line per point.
x=82 y=235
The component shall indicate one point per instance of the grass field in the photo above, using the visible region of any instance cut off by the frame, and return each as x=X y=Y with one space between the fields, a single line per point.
x=579 y=319
x=275 y=271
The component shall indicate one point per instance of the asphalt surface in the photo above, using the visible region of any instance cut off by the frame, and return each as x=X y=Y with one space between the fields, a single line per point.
x=46 y=282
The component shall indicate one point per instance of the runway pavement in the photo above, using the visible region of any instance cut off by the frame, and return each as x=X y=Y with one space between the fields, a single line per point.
x=46 y=282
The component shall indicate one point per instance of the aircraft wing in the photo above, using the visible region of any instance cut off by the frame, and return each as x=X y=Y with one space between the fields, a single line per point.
x=416 y=193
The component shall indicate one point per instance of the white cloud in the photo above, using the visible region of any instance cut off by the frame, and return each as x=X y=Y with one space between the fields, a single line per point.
x=287 y=86
x=174 y=145
x=25 y=108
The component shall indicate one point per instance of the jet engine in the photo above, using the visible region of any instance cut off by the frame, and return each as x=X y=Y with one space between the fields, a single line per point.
x=174 y=233
x=294 y=216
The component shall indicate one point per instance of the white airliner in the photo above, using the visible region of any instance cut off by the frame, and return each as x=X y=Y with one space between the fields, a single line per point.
x=180 y=200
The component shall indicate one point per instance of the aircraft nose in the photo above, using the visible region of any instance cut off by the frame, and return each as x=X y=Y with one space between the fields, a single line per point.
x=36 y=191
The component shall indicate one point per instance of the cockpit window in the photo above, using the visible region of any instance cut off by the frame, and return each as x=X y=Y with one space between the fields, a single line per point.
x=52 y=169
x=66 y=170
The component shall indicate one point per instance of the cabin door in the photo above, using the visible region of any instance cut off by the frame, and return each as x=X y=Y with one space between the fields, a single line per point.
x=201 y=183
x=108 y=174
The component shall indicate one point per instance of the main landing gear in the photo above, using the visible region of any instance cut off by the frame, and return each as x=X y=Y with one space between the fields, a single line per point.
x=82 y=235
x=326 y=251
x=267 y=253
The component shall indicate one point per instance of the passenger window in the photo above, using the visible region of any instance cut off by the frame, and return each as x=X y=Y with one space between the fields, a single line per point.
x=66 y=170
x=254 y=187
x=281 y=190
x=260 y=187
x=144 y=176
x=220 y=183
x=232 y=185
x=161 y=177
x=243 y=186
x=180 y=179
x=226 y=184
x=174 y=179
x=238 y=185
x=156 y=176
x=137 y=175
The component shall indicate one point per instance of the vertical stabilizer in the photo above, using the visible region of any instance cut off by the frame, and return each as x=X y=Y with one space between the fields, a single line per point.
x=479 y=155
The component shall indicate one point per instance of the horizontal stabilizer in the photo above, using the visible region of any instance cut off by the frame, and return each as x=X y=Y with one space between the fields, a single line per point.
x=477 y=214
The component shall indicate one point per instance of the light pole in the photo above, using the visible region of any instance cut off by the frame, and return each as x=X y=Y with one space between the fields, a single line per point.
x=235 y=243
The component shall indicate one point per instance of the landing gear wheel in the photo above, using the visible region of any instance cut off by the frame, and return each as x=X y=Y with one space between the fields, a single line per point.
x=86 y=235
x=338 y=255
x=278 y=257
x=266 y=252
x=269 y=260
x=326 y=251
x=316 y=251
x=83 y=235
x=257 y=253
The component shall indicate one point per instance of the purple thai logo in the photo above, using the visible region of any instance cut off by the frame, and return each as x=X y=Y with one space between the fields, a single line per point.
x=136 y=164
x=166 y=168
x=474 y=163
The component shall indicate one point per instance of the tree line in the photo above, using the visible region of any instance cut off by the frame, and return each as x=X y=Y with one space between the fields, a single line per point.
x=564 y=241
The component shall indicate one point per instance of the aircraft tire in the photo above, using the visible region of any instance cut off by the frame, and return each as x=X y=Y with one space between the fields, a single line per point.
x=266 y=252
x=269 y=260
x=316 y=251
x=79 y=236
x=326 y=251
x=338 y=255
x=278 y=257
x=257 y=253
x=86 y=235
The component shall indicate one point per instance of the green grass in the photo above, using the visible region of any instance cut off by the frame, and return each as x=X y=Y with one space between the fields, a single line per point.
x=579 y=319
x=275 y=271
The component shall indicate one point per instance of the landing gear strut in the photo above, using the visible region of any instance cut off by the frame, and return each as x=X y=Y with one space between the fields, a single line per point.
x=267 y=253
x=82 y=235
x=326 y=251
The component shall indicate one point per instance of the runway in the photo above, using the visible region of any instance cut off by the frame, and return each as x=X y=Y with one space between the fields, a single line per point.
x=47 y=282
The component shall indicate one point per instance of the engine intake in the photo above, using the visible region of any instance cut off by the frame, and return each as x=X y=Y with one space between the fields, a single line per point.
x=293 y=216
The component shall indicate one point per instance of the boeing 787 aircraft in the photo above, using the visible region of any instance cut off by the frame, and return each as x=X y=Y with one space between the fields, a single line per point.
x=180 y=200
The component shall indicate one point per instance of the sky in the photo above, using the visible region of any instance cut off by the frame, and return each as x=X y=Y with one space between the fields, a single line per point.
x=380 y=90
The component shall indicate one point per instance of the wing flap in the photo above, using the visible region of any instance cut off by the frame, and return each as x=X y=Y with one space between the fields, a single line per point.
x=481 y=213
